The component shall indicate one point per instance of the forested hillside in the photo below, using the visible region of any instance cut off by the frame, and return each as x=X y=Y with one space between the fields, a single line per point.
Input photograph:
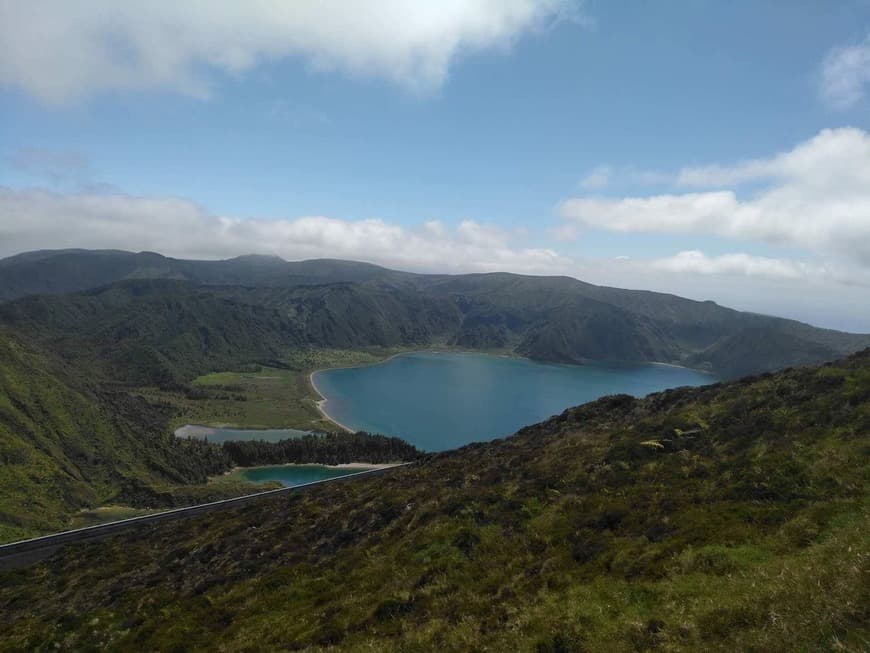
x=67 y=443
x=731 y=517
x=76 y=430
x=168 y=318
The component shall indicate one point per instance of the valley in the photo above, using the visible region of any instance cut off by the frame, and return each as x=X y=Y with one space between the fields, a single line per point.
x=95 y=382
x=534 y=326
x=685 y=497
x=684 y=520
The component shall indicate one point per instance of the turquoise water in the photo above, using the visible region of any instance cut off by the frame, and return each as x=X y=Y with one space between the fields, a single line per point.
x=291 y=475
x=219 y=435
x=440 y=401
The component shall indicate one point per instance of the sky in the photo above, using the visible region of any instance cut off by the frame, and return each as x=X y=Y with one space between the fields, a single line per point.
x=714 y=150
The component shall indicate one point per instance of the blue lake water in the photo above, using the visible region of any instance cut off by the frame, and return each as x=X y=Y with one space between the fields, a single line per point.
x=439 y=401
x=220 y=435
x=292 y=475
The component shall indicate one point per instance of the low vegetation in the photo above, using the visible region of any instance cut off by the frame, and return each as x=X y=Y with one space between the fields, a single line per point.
x=260 y=396
x=731 y=517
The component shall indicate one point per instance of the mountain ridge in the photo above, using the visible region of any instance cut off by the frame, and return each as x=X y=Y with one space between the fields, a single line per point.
x=349 y=304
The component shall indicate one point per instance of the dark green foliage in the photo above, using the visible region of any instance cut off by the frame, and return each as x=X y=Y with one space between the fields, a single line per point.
x=324 y=449
x=164 y=325
x=64 y=271
x=68 y=443
x=731 y=517
x=160 y=333
x=724 y=518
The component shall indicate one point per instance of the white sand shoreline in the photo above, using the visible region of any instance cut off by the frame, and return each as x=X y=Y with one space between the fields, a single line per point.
x=321 y=403
x=362 y=466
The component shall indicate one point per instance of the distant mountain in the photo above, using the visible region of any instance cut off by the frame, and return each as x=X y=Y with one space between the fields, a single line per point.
x=56 y=272
x=182 y=316
x=163 y=332
x=731 y=517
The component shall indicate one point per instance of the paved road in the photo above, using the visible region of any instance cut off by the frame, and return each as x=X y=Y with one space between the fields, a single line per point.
x=26 y=552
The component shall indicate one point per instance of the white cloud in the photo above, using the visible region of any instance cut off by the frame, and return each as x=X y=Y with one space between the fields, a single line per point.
x=815 y=196
x=846 y=75
x=716 y=175
x=37 y=219
x=64 y=50
x=605 y=176
x=697 y=262
x=597 y=179
x=482 y=235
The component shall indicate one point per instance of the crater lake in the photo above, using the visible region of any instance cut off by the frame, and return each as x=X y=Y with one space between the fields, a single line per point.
x=439 y=401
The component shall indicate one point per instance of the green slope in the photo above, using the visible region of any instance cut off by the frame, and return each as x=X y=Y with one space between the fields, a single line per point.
x=57 y=272
x=164 y=332
x=345 y=304
x=66 y=443
x=729 y=517
x=152 y=331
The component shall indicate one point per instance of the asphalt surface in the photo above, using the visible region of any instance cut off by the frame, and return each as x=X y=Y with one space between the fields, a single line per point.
x=16 y=555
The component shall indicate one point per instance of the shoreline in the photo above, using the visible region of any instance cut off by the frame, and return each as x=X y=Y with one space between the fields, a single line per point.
x=321 y=403
x=363 y=466
x=338 y=466
x=231 y=427
x=683 y=367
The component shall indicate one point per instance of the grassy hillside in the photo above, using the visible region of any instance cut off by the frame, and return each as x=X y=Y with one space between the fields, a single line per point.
x=67 y=444
x=261 y=396
x=73 y=438
x=153 y=332
x=723 y=518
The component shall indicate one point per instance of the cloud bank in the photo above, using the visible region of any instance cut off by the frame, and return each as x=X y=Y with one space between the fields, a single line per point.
x=37 y=219
x=696 y=262
x=815 y=196
x=59 y=51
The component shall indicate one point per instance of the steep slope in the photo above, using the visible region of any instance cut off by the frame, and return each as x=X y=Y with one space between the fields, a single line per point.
x=739 y=354
x=66 y=444
x=345 y=315
x=162 y=332
x=153 y=332
x=158 y=331
x=563 y=319
x=722 y=518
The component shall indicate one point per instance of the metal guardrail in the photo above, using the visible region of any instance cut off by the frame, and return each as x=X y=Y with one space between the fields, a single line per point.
x=25 y=552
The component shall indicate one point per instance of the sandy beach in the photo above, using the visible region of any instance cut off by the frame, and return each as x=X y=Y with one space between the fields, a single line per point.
x=321 y=403
x=237 y=473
